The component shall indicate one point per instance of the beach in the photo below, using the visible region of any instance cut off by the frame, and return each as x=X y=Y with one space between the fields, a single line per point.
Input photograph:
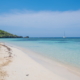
x=16 y=65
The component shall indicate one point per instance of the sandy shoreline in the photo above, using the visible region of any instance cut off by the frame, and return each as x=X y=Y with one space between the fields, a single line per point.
x=61 y=69
x=23 y=67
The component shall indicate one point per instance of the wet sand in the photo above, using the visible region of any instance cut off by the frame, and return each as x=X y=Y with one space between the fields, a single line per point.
x=17 y=65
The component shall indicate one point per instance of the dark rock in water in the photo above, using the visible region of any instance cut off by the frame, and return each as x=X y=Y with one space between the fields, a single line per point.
x=26 y=37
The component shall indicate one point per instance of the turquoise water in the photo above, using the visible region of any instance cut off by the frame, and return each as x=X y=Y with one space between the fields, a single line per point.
x=64 y=50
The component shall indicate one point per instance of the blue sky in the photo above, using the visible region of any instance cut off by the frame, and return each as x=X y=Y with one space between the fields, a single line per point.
x=41 y=18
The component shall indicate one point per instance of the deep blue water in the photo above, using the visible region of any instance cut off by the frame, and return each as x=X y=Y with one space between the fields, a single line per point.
x=66 y=50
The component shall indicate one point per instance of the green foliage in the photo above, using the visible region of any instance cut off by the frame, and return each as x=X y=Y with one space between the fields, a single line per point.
x=4 y=34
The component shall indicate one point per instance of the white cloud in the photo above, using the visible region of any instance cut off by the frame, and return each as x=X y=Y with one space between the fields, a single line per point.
x=45 y=19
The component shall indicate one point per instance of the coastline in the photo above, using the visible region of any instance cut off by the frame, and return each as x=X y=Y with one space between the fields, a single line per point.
x=24 y=66
x=59 y=68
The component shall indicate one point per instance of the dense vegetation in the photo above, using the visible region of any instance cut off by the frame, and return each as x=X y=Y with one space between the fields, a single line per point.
x=4 y=34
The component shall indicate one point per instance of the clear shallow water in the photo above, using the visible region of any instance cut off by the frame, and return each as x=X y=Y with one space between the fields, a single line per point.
x=65 y=50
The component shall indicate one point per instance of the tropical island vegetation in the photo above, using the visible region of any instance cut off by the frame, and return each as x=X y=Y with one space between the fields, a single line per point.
x=4 y=34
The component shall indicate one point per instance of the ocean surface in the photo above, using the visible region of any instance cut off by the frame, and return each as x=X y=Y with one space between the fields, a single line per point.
x=65 y=50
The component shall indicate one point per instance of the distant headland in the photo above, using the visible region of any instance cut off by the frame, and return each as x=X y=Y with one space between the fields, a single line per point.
x=4 y=34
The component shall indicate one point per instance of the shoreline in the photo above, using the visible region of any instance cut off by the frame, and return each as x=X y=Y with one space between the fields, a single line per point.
x=23 y=67
x=60 y=69
x=31 y=60
x=70 y=70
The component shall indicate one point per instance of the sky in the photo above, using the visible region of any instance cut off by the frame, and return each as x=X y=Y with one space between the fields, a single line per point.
x=41 y=18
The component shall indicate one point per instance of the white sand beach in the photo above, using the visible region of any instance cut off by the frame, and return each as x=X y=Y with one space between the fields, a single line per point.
x=16 y=65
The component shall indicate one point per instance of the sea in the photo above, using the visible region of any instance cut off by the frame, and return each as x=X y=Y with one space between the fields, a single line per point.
x=64 y=50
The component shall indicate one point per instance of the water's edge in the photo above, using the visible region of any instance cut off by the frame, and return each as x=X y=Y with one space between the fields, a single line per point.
x=57 y=67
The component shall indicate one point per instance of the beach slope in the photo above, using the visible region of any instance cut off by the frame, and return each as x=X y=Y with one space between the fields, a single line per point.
x=16 y=65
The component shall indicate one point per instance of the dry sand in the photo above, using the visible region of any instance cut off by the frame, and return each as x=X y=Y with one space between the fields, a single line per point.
x=16 y=65
x=5 y=59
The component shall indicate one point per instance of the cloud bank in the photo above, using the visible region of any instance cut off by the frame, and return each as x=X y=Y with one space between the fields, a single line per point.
x=42 y=20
